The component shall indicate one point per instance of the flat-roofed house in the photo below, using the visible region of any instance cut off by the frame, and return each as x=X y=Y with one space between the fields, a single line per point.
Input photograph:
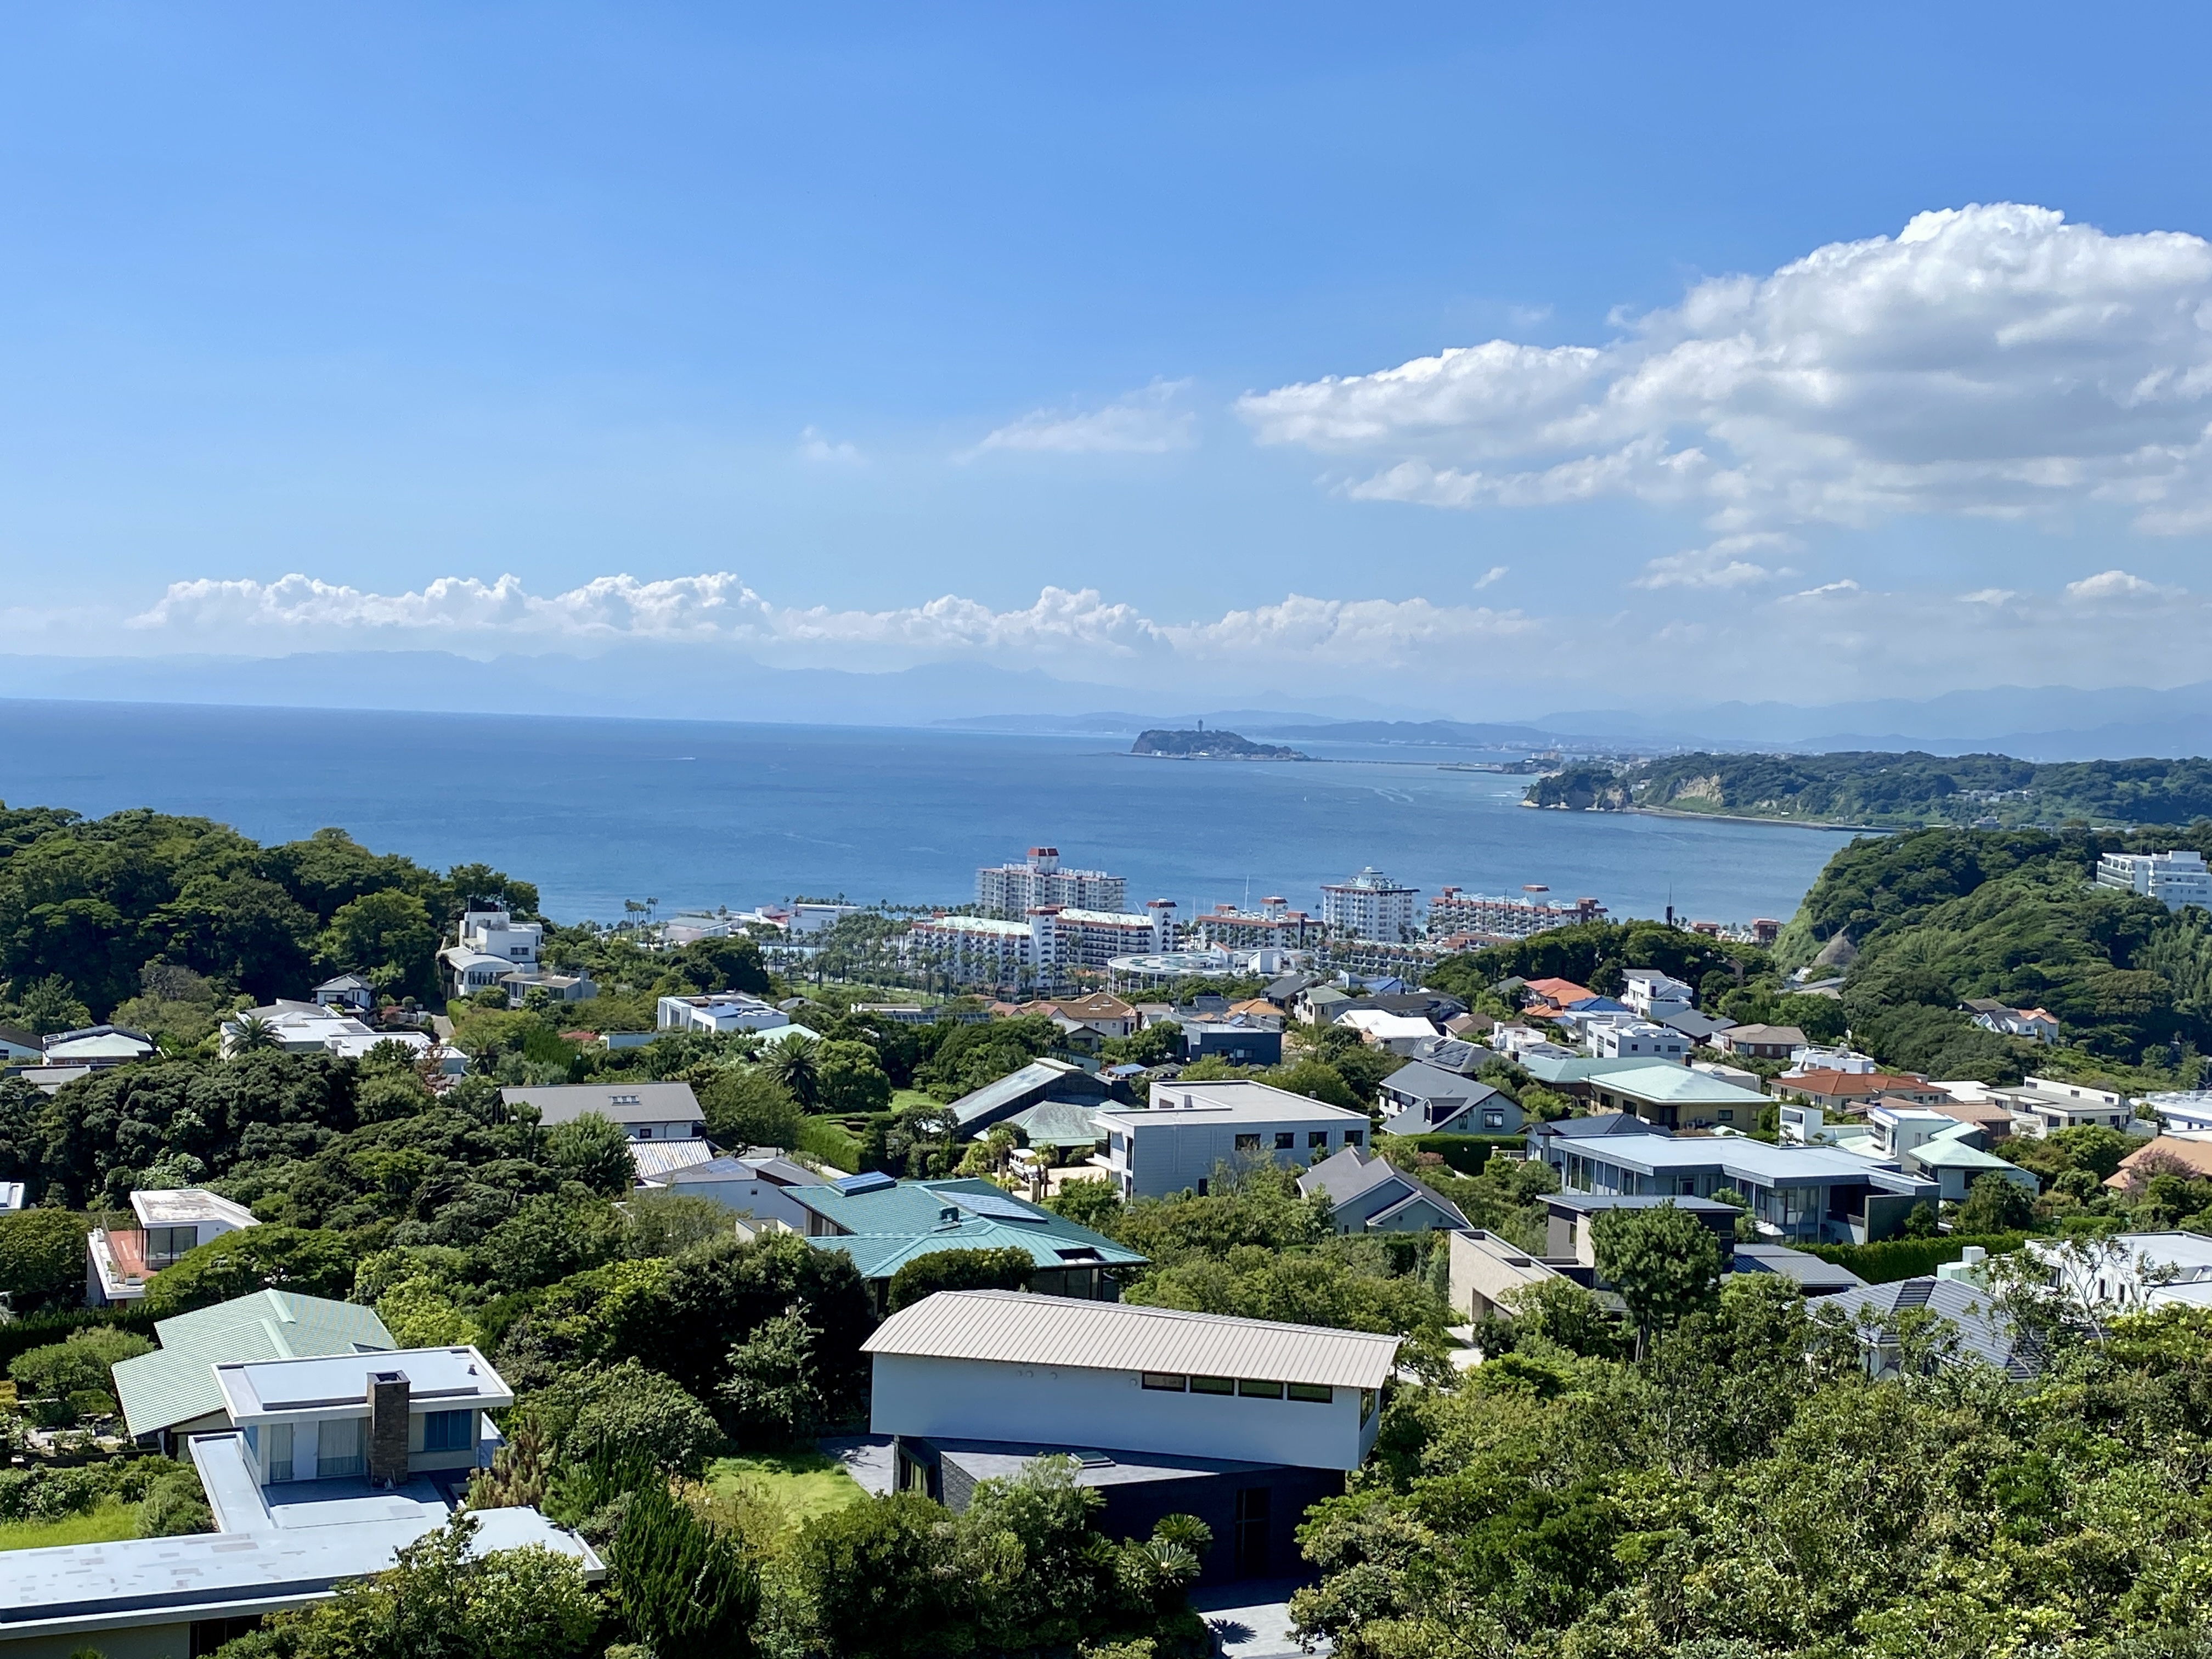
x=1241 y=1422
x=171 y=1221
x=339 y=1462
x=1175 y=1143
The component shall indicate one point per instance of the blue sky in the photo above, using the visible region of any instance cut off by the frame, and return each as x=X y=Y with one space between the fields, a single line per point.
x=804 y=322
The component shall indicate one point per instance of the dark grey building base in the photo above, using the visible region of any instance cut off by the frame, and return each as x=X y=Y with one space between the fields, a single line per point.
x=1253 y=1509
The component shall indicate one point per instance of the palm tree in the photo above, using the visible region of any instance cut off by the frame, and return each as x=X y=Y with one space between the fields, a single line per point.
x=792 y=1063
x=251 y=1032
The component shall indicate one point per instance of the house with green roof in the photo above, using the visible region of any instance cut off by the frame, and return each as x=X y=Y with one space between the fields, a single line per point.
x=1673 y=1096
x=171 y=1394
x=884 y=1224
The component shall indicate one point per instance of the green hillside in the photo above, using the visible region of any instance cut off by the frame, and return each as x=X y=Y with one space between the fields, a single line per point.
x=1909 y=789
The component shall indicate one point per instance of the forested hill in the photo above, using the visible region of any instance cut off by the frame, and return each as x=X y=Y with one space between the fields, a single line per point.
x=1901 y=789
x=89 y=907
x=1939 y=915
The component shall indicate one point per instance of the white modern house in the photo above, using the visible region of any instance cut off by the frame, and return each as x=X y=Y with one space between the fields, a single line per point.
x=1393 y=1033
x=1638 y=1039
x=307 y=1028
x=2042 y=1106
x=644 y=1111
x=489 y=945
x=374 y=1417
x=758 y=1185
x=1653 y=996
x=2175 y=879
x=340 y=1461
x=1173 y=1144
x=720 y=1011
x=2131 y=1273
x=118 y=1262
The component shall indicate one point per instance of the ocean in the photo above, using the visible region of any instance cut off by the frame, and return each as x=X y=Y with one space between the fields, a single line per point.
x=698 y=814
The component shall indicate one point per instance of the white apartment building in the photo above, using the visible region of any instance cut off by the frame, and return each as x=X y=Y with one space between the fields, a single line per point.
x=1011 y=891
x=1189 y=1128
x=489 y=945
x=2173 y=878
x=973 y=948
x=1455 y=912
x=1275 y=925
x=1063 y=938
x=1370 y=906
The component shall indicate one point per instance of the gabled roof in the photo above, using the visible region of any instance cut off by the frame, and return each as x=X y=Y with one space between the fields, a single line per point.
x=1664 y=1083
x=1036 y=1081
x=1419 y=1080
x=1058 y=1124
x=1352 y=1174
x=1011 y=1327
x=618 y=1103
x=177 y=1384
x=890 y=1226
x=1592 y=1128
x=1983 y=1333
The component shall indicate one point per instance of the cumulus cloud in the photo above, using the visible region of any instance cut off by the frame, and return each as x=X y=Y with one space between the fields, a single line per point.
x=1724 y=563
x=1146 y=422
x=1992 y=361
x=2117 y=585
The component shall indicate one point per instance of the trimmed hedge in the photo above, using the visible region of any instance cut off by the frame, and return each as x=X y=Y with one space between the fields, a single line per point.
x=1894 y=1259
x=20 y=1336
x=1464 y=1154
x=829 y=1139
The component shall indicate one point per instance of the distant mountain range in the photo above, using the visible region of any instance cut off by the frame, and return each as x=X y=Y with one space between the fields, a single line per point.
x=2042 y=723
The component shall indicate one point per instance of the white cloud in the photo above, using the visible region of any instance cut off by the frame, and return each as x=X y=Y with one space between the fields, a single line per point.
x=815 y=445
x=2111 y=628
x=1991 y=360
x=1723 y=563
x=1145 y=422
x=2110 y=585
x=1495 y=574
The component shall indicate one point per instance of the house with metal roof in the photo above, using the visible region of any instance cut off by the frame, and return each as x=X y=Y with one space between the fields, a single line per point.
x=1369 y=1195
x=758 y=1185
x=1003 y=1365
x=1243 y=1424
x=1424 y=1099
x=1036 y=1083
x=1069 y=1124
x=883 y=1225
x=1878 y=1312
x=644 y=1111
x=1672 y=1097
x=171 y=1394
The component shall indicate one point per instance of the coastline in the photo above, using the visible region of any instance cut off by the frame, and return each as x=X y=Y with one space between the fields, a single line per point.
x=1733 y=817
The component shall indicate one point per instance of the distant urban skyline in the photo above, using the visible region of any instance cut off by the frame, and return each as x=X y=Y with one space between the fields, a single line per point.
x=1182 y=354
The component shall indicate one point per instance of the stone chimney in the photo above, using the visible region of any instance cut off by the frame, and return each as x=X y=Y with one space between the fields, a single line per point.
x=387 y=1428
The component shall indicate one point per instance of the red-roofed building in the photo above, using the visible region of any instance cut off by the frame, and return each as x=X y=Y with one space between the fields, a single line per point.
x=1836 y=1092
x=1550 y=998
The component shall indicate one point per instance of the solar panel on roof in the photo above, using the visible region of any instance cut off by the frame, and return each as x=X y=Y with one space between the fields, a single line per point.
x=999 y=1209
x=872 y=1181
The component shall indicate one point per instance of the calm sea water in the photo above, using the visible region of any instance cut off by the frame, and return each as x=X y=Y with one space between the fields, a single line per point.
x=599 y=810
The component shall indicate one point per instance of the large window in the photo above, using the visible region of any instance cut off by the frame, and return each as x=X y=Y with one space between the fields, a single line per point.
x=165 y=1244
x=277 y=1465
x=1247 y=1143
x=446 y=1431
x=338 y=1449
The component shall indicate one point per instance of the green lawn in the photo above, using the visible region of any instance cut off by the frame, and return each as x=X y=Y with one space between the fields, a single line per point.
x=111 y=1521
x=802 y=1485
x=903 y=1098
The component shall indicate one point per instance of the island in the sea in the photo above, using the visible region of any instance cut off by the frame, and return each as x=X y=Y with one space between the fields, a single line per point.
x=1202 y=744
